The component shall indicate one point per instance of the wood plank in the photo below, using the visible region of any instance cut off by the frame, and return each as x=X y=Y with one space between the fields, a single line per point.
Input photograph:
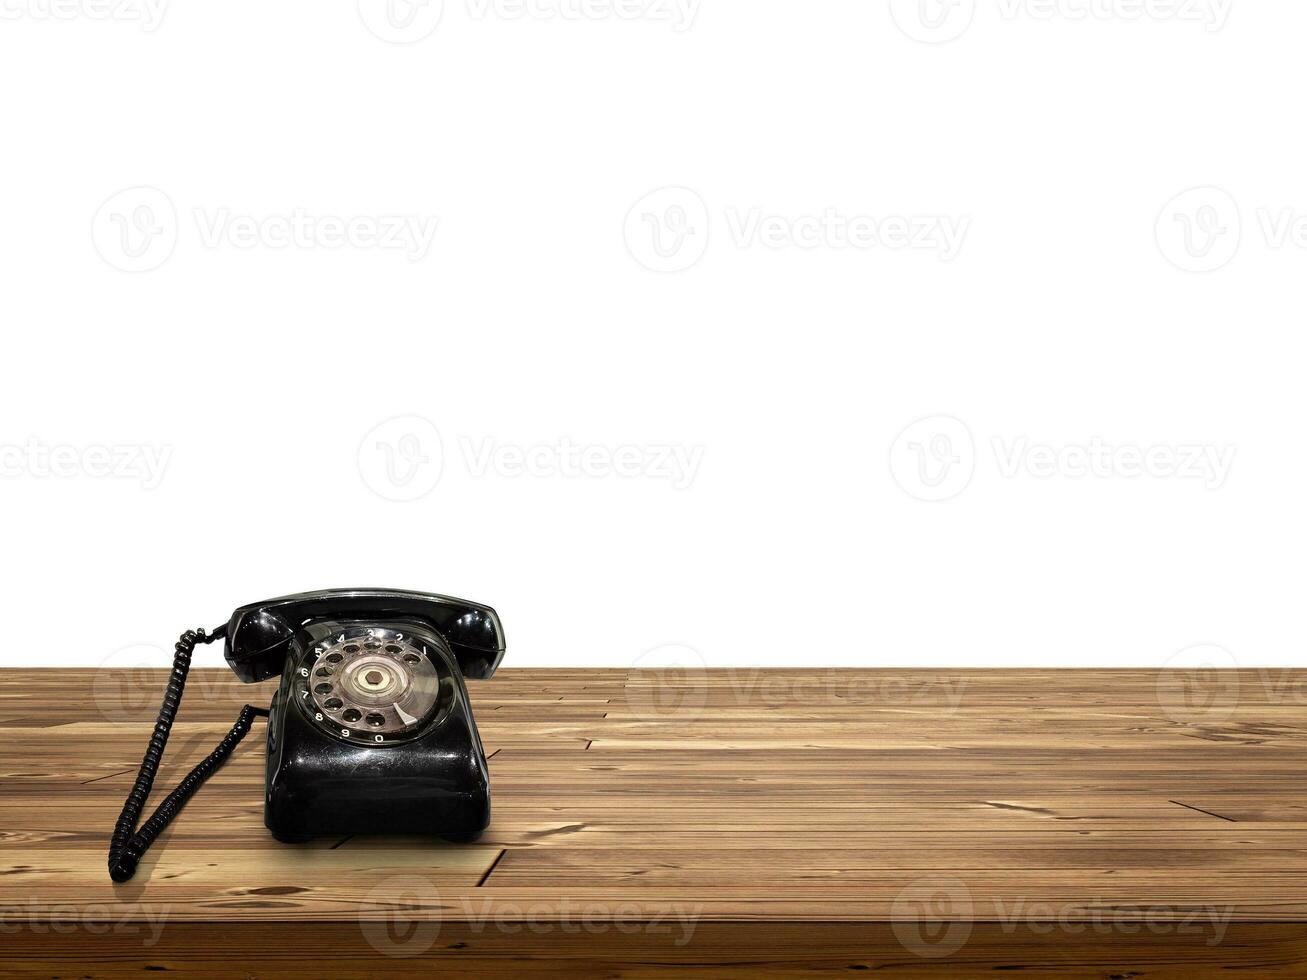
x=1069 y=823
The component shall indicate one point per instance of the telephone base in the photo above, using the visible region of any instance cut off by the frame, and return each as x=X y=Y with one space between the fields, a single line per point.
x=464 y=838
x=323 y=781
x=291 y=838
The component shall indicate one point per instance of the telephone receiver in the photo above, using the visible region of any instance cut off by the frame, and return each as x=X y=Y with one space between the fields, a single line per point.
x=369 y=731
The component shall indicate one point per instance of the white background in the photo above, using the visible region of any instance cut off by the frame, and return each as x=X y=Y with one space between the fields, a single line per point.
x=546 y=314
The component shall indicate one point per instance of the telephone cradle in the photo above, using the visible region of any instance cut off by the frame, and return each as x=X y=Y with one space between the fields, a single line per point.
x=370 y=730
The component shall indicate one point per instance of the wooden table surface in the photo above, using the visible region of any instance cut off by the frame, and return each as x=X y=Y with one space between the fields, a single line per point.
x=746 y=822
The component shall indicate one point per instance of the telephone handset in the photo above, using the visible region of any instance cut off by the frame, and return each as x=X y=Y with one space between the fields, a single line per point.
x=370 y=729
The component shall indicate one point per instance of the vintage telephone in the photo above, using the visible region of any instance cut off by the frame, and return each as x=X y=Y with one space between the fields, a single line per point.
x=370 y=730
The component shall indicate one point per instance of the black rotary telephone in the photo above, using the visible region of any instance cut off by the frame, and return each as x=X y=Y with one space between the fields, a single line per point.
x=370 y=730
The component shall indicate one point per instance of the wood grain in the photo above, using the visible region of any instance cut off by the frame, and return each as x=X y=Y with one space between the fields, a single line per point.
x=1060 y=823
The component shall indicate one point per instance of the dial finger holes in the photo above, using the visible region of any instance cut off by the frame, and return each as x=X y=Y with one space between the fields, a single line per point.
x=351 y=682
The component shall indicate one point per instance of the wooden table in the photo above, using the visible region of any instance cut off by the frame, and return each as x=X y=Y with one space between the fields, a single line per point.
x=1056 y=823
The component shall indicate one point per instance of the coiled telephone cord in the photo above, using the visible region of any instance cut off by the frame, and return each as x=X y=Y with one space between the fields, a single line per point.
x=128 y=843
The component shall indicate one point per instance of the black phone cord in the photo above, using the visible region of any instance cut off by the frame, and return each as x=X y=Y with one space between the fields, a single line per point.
x=128 y=843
